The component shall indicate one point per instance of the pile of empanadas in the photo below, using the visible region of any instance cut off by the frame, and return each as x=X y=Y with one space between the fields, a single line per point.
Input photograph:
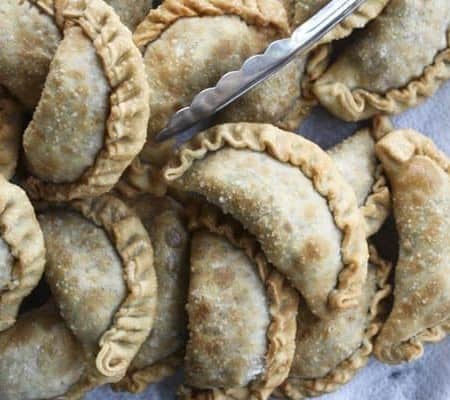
x=249 y=256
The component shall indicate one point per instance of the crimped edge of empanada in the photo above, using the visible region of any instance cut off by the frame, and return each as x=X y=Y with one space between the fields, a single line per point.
x=358 y=104
x=316 y=165
x=20 y=230
x=400 y=146
x=12 y=125
x=139 y=380
x=348 y=368
x=133 y=320
x=319 y=57
x=141 y=177
x=126 y=125
x=283 y=303
x=264 y=13
x=378 y=204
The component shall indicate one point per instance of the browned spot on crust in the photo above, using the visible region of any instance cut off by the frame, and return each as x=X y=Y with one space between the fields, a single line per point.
x=202 y=311
x=225 y=277
x=315 y=249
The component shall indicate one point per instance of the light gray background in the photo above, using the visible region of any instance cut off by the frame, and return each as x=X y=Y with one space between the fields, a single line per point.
x=425 y=379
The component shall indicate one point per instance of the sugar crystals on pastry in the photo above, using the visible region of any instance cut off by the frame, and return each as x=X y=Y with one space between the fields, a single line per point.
x=241 y=313
x=419 y=175
x=100 y=271
x=39 y=357
x=85 y=80
x=289 y=194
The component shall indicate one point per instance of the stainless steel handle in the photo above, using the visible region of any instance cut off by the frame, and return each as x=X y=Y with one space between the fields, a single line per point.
x=256 y=70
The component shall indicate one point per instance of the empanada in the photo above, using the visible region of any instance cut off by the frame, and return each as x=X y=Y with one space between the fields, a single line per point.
x=241 y=314
x=330 y=352
x=22 y=251
x=394 y=63
x=12 y=125
x=100 y=271
x=288 y=193
x=131 y=12
x=163 y=350
x=420 y=178
x=188 y=45
x=92 y=82
x=39 y=357
x=356 y=160
x=299 y=11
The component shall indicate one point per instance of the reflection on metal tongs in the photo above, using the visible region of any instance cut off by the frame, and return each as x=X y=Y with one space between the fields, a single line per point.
x=192 y=119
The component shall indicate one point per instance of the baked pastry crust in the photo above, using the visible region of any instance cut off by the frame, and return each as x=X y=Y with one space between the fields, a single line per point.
x=371 y=312
x=40 y=358
x=125 y=125
x=356 y=160
x=282 y=303
x=12 y=125
x=134 y=318
x=396 y=73
x=20 y=230
x=163 y=351
x=420 y=178
x=233 y=150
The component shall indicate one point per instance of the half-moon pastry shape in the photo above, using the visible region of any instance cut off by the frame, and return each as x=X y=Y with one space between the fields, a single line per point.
x=241 y=314
x=330 y=352
x=196 y=42
x=22 y=251
x=131 y=12
x=356 y=160
x=39 y=357
x=288 y=193
x=100 y=271
x=419 y=175
x=93 y=83
x=163 y=350
x=393 y=64
x=12 y=125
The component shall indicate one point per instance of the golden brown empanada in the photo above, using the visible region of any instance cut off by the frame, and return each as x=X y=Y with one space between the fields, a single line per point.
x=394 y=63
x=356 y=160
x=188 y=45
x=11 y=128
x=131 y=12
x=92 y=82
x=420 y=178
x=39 y=357
x=241 y=314
x=288 y=193
x=100 y=270
x=163 y=350
x=22 y=251
x=330 y=352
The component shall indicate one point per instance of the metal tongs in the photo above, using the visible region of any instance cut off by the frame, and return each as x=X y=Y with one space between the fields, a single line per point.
x=192 y=119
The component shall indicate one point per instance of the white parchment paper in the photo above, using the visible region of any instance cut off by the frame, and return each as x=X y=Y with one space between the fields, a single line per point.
x=425 y=379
